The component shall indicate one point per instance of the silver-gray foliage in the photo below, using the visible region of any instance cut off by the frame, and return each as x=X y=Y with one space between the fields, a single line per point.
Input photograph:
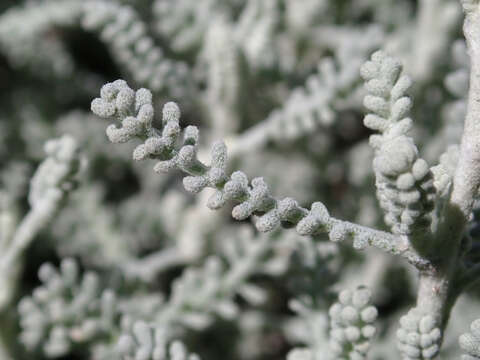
x=257 y=106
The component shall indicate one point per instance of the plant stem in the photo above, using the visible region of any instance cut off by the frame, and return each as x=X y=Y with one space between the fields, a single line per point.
x=467 y=175
x=437 y=291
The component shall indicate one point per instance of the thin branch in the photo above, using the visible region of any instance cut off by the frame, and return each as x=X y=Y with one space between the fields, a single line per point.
x=149 y=266
x=135 y=111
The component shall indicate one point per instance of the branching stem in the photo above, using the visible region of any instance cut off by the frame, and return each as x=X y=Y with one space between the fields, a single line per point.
x=437 y=289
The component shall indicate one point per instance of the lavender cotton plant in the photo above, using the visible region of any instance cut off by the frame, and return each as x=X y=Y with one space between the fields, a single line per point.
x=258 y=105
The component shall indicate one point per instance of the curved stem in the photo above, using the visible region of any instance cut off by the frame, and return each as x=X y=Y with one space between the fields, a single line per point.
x=30 y=226
x=435 y=21
x=148 y=267
x=467 y=175
x=438 y=290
